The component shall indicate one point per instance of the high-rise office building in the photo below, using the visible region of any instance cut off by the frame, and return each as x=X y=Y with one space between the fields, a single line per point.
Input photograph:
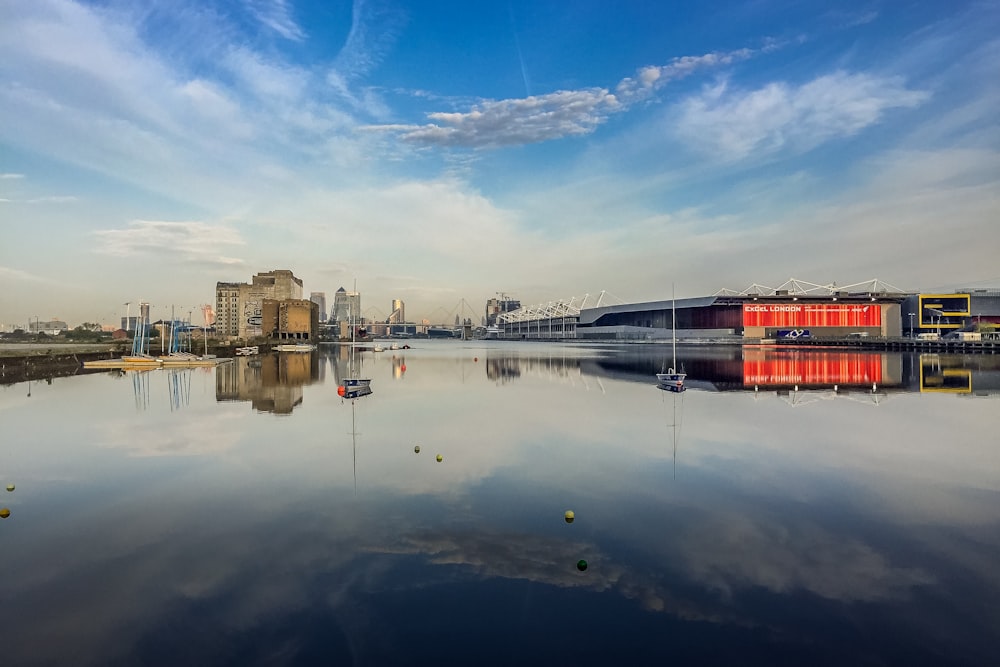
x=319 y=298
x=398 y=314
x=346 y=306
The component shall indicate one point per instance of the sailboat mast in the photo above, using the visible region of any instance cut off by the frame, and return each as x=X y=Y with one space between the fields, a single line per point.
x=673 y=326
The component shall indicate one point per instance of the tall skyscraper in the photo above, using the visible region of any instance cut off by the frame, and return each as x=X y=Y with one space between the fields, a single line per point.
x=346 y=305
x=319 y=298
x=398 y=315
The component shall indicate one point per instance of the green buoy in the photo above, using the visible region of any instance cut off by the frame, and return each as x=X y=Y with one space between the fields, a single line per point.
x=581 y=565
x=416 y=450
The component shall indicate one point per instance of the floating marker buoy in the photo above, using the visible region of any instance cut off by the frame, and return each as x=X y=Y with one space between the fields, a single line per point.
x=341 y=391
x=403 y=368
x=440 y=458
x=10 y=487
x=4 y=513
x=569 y=516
x=581 y=565
x=476 y=359
x=416 y=450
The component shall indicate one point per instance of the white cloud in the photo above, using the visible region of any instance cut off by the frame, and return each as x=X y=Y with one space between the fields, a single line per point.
x=538 y=118
x=4 y=177
x=516 y=121
x=267 y=79
x=735 y=124
x=89 y=89
x=188 y=241
x=374 y=28
x=652 y=78
x=276 y=15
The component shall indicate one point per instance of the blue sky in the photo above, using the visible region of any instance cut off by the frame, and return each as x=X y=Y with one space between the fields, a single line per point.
x=441 y=151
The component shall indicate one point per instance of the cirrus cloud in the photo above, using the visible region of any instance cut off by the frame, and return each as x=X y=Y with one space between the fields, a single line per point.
x=735 y=124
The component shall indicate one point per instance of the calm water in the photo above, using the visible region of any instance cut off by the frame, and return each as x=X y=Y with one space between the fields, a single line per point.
x=820 y=508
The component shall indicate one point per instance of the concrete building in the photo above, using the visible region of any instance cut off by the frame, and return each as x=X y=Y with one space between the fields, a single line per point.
x=290 y=319
x=227 y=308
x=50 y=327
x=239 y=306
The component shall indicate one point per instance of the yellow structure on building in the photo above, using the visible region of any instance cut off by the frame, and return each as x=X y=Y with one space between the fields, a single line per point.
x=290 y=319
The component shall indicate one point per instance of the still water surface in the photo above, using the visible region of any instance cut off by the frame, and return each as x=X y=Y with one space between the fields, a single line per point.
x=788 y=508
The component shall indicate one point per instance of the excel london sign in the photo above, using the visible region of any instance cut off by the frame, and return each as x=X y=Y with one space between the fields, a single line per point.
x=811 y=315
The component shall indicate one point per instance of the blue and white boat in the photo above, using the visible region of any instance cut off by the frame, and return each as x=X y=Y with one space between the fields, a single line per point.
x=354 y=378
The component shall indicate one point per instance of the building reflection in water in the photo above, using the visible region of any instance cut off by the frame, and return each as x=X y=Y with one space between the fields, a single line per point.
x=563 y=364
x=783 y=370
x=271 y=382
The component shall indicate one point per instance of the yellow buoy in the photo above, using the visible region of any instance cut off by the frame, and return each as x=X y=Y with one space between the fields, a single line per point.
x=4 y=513
x=10 y=487
x=569 y=516
x=440 y=458
x=416 y=450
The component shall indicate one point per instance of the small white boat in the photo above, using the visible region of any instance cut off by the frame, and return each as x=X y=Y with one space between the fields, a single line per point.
x=670 y=377
x=378 y=348
x=394 y=346
x=356 y=392
x=295 y=347
x=247 y=351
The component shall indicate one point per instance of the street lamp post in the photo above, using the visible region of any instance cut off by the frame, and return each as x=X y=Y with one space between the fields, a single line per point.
x=936 y=315
x=911 y=324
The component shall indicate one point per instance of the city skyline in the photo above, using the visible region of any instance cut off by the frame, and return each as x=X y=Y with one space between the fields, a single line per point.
x=441 y=152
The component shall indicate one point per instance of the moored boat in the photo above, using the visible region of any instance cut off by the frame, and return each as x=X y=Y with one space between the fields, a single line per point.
x=672 y=377
x=295 y=347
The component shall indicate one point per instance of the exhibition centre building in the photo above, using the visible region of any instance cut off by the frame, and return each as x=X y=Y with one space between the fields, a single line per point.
x=795 y=309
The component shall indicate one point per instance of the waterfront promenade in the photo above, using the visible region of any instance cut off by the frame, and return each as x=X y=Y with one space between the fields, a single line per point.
x=903 y=344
